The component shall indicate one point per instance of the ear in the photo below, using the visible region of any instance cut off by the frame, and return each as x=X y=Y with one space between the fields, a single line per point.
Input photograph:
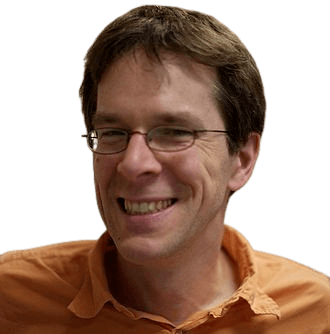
x=244 y=161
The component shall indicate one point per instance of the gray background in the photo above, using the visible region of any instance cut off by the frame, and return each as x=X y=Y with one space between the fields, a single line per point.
x=46 y=169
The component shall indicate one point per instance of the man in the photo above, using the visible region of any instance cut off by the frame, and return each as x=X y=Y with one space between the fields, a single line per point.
x=174 y=109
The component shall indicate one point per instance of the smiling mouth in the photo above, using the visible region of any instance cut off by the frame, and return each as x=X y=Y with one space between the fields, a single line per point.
x=142 y=208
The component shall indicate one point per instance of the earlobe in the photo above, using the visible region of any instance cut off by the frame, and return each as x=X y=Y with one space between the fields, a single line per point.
x=244 y=162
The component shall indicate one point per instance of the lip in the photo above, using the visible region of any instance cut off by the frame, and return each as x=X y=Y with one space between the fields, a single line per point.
x=147 y=223
x=144 y=199
x=121 y=202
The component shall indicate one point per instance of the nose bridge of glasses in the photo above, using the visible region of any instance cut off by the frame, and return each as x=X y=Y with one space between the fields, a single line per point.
x=131 y=133
x=144 y=134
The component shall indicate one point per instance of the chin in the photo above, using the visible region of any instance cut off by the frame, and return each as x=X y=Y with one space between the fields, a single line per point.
x=145 y=251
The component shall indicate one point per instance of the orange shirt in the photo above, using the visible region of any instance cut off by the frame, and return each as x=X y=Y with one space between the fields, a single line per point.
x=64 y=289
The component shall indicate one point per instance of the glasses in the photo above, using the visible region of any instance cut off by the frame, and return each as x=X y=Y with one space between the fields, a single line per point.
x=162 y=138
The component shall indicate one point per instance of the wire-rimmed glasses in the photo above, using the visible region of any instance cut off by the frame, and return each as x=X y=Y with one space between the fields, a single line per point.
x=161 y=138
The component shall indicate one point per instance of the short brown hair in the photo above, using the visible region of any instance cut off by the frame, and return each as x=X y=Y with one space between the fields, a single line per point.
x=238 y=89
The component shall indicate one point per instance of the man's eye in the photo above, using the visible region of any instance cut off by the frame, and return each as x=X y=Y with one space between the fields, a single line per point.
x=113 y=133
x=112 y=136
x=173 y=132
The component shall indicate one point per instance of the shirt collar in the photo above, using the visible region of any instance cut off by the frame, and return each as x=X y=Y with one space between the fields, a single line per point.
x=94 y=292
x=244 y=257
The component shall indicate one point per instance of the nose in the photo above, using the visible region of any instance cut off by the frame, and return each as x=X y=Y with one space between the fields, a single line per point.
x=138 y=161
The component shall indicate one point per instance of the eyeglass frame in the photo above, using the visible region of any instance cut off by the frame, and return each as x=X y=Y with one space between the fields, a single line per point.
x=145 y=134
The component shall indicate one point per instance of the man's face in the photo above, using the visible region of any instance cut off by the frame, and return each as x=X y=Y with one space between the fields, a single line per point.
x=184 y=193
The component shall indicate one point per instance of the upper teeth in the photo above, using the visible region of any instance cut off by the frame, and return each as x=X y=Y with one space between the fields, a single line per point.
x=146 y=207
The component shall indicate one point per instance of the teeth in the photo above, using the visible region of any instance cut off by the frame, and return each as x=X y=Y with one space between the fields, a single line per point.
x=144 y=207
x=152 y=206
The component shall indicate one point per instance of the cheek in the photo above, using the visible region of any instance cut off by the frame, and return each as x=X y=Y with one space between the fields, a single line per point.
x=206 y=175
x=190 y=170
x=185 y=167
x=104 y=169
x=207 y=170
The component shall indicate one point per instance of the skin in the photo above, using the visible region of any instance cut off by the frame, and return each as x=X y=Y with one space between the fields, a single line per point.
x=159 y=253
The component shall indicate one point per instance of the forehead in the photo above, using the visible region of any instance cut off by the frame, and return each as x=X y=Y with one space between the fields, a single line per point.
x=175 y=84
x=137 y=60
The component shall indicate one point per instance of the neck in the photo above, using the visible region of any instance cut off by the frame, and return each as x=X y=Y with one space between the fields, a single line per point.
x=170 y=291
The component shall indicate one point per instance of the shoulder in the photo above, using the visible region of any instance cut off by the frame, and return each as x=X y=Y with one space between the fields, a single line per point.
x=296 y=288
x=39 y=283
x=60 y=262
x=280 y=268
x=47 y=254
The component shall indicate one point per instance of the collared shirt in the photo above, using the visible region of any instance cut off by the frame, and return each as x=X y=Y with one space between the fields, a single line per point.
x=64 y=288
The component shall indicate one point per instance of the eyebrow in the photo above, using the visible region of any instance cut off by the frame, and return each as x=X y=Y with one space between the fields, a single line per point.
x=177 y=117
x=104 y=118
x=180 y=117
